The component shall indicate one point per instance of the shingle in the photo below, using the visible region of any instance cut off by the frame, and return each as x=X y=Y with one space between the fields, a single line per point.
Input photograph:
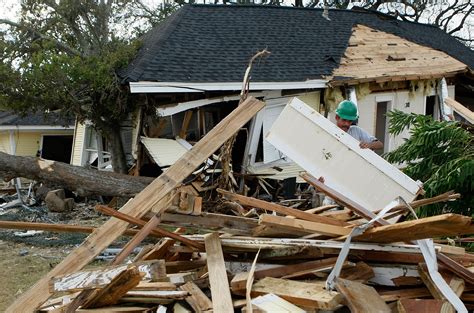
x=207 y=43
x=33 y=119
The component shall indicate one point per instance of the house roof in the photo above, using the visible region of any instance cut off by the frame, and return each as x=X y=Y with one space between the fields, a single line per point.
x=9 y=119
x=213 y=43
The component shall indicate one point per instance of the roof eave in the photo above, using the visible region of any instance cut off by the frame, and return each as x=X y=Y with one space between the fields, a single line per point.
x=181 y=87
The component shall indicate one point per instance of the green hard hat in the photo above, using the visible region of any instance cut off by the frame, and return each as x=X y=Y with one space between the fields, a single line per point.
x=347 y=110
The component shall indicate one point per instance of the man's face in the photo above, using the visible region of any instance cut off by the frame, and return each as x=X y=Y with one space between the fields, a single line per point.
x=343 y=124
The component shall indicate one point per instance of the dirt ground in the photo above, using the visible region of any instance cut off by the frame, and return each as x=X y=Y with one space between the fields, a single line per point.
x=21 y=265
x=24 y=260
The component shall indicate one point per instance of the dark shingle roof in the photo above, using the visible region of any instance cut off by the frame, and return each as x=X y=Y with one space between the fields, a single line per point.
x=207 y=43
x=8 y=118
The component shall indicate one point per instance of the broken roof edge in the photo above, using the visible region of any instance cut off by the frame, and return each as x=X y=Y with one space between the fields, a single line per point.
x=178 y=87
x=341 y=81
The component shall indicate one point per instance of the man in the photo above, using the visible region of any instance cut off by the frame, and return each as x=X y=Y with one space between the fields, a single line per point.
x=346 y=113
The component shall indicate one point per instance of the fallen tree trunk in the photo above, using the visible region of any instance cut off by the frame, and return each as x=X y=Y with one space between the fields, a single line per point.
x=81 y=180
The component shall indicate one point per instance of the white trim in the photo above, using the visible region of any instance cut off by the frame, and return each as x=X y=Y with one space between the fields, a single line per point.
x=177 y=87
x=35 y=128
x=12 y=142
x=175 y=108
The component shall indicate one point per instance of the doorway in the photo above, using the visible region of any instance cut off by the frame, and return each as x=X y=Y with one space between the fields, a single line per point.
x=57 y=148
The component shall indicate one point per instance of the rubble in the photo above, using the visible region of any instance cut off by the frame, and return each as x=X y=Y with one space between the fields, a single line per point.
x=259 y=256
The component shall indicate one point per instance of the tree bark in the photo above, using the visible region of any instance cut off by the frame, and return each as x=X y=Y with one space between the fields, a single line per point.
x=117 y=153
x=82 y=180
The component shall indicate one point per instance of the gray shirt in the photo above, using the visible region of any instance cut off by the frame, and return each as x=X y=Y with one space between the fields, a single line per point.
x=360 y=134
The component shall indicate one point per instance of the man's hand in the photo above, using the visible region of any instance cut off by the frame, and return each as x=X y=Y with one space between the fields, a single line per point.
x=321 y=179
x=374 y=145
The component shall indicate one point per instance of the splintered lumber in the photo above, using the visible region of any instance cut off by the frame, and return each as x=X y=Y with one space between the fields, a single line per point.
x=196 y=299
x=348 y=203
x=271 y=303
x=299 y=293
x=456 y=268
x=428 y=227
x=158 y=294
x=361 y=298
x=116 y=309
x=238 y=283
x=455 y=283
x=423 y=306
x=459 y=108
x=232 y=224
x=118 y=287
x=221 y=298
x=248 y=201
x=153 y=229
x=100 y=278
x=302 y=225
x=361 y=272
x=141 y=204
x=156 y=285
x=160 y=250
x=412 y=293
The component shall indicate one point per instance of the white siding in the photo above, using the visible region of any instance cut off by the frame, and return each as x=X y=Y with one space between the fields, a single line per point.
x=78 y=144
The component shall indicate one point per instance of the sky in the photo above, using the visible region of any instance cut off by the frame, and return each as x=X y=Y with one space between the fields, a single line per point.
x=9 y=9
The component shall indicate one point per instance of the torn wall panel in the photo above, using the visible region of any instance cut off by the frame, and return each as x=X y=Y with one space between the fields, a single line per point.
x=322 y=149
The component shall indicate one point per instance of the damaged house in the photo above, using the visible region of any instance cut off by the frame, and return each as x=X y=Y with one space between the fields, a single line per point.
x=190 y=68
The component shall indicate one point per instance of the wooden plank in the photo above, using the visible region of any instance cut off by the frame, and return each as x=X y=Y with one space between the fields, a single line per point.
x=221 y=299
x=118 y=287
x=238 y=283
x=101 y=277
x=461 y=109
x=196 y=299
x=159 y=250
x=184 y=128
x=428 y=227
x=116 y=309
x=361 y=298
x=231 y=224
x=141 y=204
x=298 y=293
x=423 y=306
x=348 y=203
x=270 y=303
x=361 y=272
x=158 y=294
x=151 y=226
x=248 y=201
x=412 y=293
x=158 y=285
x=302 y=225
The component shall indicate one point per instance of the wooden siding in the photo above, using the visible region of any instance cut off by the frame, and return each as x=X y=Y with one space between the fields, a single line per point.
x=78 y=144
x=5 y=141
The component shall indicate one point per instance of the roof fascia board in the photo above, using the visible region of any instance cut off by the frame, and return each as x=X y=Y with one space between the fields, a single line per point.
x=184 y=106
x=33 y=128
x=177 y=87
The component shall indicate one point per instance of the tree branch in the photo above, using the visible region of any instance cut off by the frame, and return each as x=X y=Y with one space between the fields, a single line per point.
x=42 y=36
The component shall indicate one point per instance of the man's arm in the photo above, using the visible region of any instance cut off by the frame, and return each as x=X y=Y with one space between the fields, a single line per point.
x=374 y=145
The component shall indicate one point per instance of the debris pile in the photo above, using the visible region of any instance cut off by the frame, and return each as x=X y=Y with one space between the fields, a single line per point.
x=265 y=257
